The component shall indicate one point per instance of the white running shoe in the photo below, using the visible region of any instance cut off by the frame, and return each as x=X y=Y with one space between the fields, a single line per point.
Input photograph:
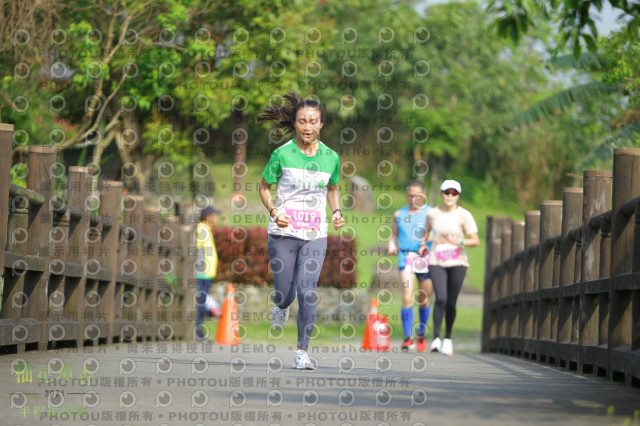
x=279 y=317
x=447 y=347
x=301 y=361
x=436 y=345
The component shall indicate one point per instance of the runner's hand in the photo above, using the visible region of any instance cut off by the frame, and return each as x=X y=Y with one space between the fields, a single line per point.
x=423 y=250
x=282 y=220
x=338 y=220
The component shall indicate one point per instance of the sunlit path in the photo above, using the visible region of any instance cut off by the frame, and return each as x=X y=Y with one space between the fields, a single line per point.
x=187 y=384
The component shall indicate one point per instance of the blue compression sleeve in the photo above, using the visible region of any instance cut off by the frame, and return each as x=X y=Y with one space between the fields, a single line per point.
x=407 y=321
x=424 y=318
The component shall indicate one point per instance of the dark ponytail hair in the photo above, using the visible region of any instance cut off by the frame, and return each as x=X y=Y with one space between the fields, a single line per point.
x=284 y=116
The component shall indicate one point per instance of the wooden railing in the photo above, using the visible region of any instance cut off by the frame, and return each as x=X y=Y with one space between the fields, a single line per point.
x=76 y=274
x=563 y=287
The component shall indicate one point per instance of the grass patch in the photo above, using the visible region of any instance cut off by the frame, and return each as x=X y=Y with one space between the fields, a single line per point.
x=467 y=326
x=467 y=330
x=324 y=334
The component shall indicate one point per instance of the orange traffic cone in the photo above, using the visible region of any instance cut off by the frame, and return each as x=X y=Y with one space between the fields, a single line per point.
x=228 y=326
x=376 y=331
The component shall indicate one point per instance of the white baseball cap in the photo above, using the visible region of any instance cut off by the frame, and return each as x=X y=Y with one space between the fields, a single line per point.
x=451 y=184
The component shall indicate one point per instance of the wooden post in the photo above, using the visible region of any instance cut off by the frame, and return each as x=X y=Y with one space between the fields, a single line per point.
x=596 y=201
x=166 y=238
x=19 y=330
x=40 y=161
x=515 y=289
x=550 y=227
x=126 y=271
x=605 y=247
x=531 y=238
x=75 y=284
x=91 y=330
x=189 y=285
x=6 y=314
x=188 y=214
x=6 y=142
x=494 y=330
x=189 y=218
x=179 y=256
x=151 y=273
x=503 y=284
x=57 y=268
x=636 y=241
x=517 y=246
x=495 y=227
x=135 y=216
x=504 y=257
x=626 y=186
x=571 y=218
x=529 y=273
x=635 y=328
x=111 y=194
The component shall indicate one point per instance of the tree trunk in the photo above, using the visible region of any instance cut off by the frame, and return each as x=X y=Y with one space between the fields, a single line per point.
x=240 y=152
x=131 y=152
x=436 y=169
x=98 y=150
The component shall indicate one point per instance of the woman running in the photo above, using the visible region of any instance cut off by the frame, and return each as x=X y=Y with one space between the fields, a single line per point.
x=448 y=260
x=306 y=173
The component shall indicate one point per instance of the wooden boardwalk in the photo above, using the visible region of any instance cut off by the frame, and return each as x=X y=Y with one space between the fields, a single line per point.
x=192 y=384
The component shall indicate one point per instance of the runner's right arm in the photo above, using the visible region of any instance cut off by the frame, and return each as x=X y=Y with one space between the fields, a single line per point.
x=392 y=247
x=281 y=219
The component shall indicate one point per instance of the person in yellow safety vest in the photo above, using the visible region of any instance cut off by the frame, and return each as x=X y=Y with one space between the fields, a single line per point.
x=206 y=265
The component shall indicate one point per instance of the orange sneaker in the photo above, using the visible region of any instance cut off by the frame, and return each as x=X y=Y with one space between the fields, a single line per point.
x=408 y=345
x=421 y=343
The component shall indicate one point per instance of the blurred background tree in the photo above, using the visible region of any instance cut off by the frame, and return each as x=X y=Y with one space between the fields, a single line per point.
x=131 y=87
x=605 y=88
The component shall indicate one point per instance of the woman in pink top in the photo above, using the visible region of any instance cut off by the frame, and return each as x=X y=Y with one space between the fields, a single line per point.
x=454 y=229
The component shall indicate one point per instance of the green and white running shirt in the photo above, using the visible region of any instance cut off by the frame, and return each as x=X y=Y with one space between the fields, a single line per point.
x=301 y=188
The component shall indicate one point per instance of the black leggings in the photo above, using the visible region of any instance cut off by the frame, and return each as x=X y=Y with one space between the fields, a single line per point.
x=447 y=282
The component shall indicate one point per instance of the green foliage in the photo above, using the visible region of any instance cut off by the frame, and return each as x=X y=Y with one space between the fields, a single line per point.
x=436 y=88
x=625 y=137
x=517 y=18
x=624 y=70
x=19 y=174
x=172 y=280
x=561 y=101
x=612 y=72
x=587 y=61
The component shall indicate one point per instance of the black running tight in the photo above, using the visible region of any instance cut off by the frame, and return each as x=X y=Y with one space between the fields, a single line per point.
x=447 y=283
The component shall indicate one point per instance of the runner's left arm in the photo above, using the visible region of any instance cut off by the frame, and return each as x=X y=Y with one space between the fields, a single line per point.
x=333 y=196
x=470 y=229
x=426 y=236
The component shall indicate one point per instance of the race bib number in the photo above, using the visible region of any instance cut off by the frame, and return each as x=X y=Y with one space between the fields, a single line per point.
x=304 y=219
x=447 y=253
x=417 y=263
